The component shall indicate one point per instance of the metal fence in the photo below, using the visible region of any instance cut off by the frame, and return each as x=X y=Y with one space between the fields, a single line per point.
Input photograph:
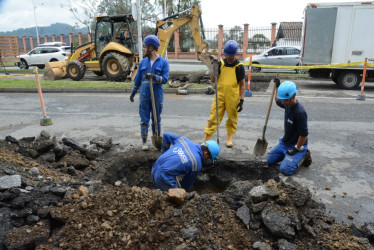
x=259 y=39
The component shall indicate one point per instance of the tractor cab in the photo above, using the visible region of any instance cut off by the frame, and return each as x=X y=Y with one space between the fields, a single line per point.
x=117 y=29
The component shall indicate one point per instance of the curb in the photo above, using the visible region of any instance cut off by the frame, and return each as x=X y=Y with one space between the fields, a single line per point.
x=90 y=90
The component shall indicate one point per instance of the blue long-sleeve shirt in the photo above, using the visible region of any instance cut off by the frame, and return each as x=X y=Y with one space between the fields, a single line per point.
x=160 y=68
x=182 y=158
x=295 y=123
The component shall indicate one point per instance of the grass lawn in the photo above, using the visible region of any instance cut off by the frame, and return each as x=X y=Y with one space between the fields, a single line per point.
x=30 y=83
x=7 y=82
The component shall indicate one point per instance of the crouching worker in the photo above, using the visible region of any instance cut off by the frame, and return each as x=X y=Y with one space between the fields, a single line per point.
x=181 y=157
x=292 y=149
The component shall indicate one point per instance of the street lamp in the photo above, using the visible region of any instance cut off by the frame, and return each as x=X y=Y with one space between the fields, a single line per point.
x=36 y=24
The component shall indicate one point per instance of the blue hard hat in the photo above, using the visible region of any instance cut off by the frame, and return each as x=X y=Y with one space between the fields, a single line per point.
x=231 y=48
x=213 y=148
x=287 y=90
x=151 y=40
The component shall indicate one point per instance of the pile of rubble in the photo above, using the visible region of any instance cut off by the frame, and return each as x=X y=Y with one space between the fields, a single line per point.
x=59 y=194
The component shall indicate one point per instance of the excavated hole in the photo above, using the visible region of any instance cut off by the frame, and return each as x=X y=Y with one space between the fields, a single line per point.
x=135 y=170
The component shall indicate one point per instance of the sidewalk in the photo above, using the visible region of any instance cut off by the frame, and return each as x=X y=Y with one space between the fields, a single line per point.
x=92 y=90
x=184 y=61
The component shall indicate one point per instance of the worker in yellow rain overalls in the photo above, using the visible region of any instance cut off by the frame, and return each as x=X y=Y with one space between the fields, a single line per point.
x=231 y=90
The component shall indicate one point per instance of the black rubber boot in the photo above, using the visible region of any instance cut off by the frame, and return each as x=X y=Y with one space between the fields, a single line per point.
x=144 y=145
x=307 y=159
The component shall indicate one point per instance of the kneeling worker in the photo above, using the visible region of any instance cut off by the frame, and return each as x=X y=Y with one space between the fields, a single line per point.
x=293 y=146
x=181 y=157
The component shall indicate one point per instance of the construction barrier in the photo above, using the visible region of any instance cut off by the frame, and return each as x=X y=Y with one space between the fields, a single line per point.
x=248 y=92
x=16 y=75
x=45 y=120
x=309 y=67
x=361 y=96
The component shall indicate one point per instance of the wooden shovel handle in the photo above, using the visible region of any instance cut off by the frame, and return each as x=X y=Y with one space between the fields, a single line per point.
x=153 y=106
x=269 y=108
x=271 y=102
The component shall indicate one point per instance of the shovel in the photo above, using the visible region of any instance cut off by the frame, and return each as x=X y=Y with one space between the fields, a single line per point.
x=156 y=139
x=215 y=71
x=262 y=144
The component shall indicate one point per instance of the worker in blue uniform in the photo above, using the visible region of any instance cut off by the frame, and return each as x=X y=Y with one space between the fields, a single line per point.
x=181 y=157
x=292 y=149
x=154 y=67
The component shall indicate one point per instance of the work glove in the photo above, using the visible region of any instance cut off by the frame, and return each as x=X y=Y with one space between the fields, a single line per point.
x=150 y=75
x=240 y=105
x=277 y=81
x=132 y=97
x=292 y=151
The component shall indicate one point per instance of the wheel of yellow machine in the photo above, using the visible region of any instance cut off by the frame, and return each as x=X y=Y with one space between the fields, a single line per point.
x=75 y=70
x=116 y=67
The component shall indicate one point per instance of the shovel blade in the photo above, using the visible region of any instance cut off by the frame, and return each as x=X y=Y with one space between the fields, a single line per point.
x=260 y=147
x=157 y=142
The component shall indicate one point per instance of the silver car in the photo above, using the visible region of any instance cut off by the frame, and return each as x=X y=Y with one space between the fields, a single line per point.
x=280 y=56
x=42 y=54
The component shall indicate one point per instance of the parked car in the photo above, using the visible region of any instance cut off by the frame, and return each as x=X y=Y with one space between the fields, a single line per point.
x=281 y=56
x=48 y=52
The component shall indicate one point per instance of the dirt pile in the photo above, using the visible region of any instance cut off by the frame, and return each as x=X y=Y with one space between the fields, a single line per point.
x=64 y=195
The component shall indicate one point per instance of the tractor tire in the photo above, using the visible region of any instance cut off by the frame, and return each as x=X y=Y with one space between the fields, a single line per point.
x=99 y=73
x=75 y=70
x=116 y=67
x=349 y=79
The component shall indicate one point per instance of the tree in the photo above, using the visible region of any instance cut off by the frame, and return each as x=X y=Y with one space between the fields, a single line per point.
x=258 y=41
x=84 y=12
x=175 y=6
x=236 y=34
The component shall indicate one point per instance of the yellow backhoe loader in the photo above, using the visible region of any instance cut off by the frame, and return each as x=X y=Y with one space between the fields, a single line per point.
x=112 y=52
x=116 y=57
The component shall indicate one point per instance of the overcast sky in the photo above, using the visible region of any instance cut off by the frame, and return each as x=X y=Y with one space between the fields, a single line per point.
x=17 y=14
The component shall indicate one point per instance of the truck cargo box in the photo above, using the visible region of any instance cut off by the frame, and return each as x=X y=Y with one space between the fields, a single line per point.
x=335 y=33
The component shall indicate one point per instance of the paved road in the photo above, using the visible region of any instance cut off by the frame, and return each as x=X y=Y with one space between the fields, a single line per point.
x=341 y=132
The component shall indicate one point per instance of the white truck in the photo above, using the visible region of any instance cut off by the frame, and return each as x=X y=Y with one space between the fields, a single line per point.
x=336 y=33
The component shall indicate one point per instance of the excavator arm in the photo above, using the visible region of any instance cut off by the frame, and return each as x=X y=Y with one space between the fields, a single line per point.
x=166 y=27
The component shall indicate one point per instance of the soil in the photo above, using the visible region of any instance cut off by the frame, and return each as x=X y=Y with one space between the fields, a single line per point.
x=101 y=197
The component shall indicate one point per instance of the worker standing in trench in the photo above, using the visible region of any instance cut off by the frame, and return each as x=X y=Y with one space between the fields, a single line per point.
x=231 y=90
x=154 y=67
x=292 y=149
x=181 y=157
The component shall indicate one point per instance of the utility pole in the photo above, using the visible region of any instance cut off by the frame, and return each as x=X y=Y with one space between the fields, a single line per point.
x=164 y=8
x=139 y=17
x=166 y=50
x=36 y=24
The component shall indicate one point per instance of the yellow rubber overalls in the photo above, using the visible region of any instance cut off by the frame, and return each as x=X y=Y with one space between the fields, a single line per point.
x=228 y=99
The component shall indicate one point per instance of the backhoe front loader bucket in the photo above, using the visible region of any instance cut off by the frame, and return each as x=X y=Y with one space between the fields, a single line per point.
x=55 y=71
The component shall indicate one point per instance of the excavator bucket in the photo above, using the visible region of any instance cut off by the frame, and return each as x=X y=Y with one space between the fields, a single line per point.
x=207 y=60
x=55 y=71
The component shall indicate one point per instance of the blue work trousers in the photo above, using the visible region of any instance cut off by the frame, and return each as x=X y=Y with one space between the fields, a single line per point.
x=162 y=181
x=146 y=112
x=289 y=163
